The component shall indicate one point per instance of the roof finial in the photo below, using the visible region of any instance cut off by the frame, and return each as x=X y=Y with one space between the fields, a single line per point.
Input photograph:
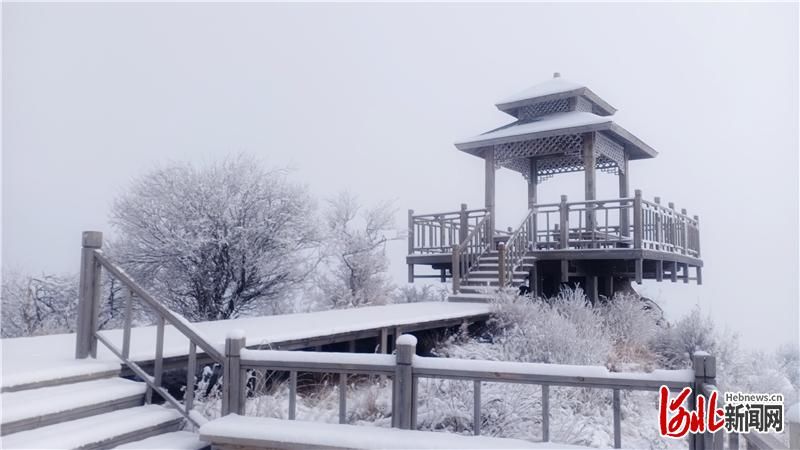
x=556 y=75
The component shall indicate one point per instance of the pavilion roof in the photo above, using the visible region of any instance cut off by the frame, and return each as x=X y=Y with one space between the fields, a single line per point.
x=565 y=123
x=554 y=89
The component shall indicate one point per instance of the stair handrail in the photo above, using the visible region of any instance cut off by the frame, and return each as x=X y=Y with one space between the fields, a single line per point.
x=93 y=260
x=516 y=247
x=468 y=252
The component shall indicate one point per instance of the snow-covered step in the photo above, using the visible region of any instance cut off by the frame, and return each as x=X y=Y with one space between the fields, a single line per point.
x=101 y=431
x=81 y=371
x=177 y=440
x=35 y=408
x=493 y=274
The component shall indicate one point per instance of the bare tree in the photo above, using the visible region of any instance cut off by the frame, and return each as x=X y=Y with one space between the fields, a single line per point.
x=219 y=241
x=356 y=252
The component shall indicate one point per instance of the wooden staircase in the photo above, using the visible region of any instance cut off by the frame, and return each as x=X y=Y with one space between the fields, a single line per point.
x=99 y=411
x=481 y=283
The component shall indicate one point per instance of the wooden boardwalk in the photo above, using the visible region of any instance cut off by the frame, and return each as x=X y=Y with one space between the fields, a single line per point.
x=38 y=358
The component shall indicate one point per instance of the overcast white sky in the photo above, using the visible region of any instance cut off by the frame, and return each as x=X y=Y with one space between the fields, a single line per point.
x=370 y=98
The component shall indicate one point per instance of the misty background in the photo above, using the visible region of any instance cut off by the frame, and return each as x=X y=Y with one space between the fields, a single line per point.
x=370 y=98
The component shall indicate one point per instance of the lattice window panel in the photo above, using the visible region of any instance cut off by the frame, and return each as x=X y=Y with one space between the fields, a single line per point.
x=570 y=143
x=583 y=105
x=530 y=112
x=609 y=149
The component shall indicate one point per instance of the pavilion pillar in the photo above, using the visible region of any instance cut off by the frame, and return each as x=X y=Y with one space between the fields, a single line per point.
x=489 y=159
x=533 y=181
x=624 y=189
x=590 y=177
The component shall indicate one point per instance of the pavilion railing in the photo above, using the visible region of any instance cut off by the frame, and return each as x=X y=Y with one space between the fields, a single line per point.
x=465 y=255
x=607 y=224
x=438 y=232
x=514 y=250
x=93 y=262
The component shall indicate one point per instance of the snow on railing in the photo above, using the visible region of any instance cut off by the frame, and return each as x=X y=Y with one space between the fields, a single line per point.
x=405 y=369
x=93 y=261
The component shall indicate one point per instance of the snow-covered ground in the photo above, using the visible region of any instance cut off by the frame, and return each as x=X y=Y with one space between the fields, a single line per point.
x=32 y=359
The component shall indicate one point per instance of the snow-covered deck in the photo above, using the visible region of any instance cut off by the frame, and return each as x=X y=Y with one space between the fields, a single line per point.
x=234 y=431
x=36 y=359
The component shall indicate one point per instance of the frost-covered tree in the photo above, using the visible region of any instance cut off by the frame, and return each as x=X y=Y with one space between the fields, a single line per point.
x=218 y=241
x=38 y=305
x=48 y=304
x=355 y=247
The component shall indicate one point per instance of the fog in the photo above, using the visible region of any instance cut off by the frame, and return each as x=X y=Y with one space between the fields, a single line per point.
x=370 y=98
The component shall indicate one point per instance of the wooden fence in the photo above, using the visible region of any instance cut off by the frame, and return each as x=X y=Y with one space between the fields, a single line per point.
x=405 y=370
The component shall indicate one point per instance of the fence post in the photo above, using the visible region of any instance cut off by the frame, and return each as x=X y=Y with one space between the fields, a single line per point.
x=564 y=222
x=501 y=265
x=705 y=372
x=793 y=421
x=411 y=244
x=232 y=389
x=89 y=296
x=406 y=349
x=697 y=234
x=455 y=270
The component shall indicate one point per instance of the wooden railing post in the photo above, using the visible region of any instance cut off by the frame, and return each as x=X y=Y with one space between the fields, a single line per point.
x=563 y=210
x=463 y=224
x=456 y=269
x=403 y=379
x=501 y=265
x=637 y=219
x=685 y=232
x=705 y=372
x=89 y=296
x=411 y=244
x=793 y=421
x=232 y=387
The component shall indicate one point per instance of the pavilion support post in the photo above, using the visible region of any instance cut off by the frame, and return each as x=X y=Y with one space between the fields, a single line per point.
x=489 y=160
x=533 y=281
x=591 y=288
x=455 y=269
x=411 y=244
x=89 y=300
x=533 y=181
x=590 y=178
x=624 y=191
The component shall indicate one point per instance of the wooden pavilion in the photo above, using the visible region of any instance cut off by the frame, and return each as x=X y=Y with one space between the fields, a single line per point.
x=600 y=244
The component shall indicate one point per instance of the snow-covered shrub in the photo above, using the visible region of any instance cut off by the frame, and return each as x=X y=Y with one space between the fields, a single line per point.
x=564 y=330
x=631 y=329
x=411 y=293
